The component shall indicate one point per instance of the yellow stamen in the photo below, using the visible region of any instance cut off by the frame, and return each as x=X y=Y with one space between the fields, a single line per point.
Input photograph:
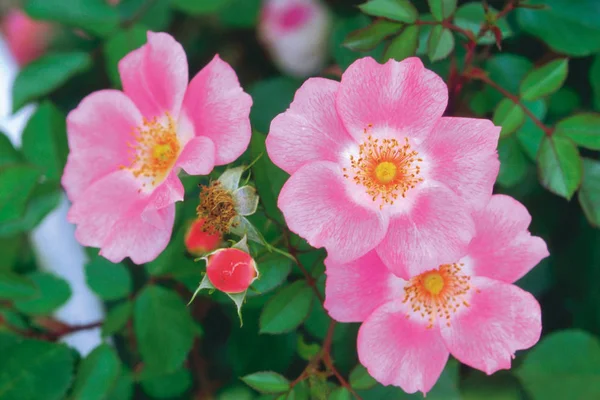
x=217 y=207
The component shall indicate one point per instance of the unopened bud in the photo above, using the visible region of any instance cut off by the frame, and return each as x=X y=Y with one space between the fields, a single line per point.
x=198 y=241
x=231 y=270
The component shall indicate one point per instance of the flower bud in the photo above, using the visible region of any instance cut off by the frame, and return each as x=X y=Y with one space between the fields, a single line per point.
x=296 y=32
x=231 y=270
x=198 y=241
x=27 y=39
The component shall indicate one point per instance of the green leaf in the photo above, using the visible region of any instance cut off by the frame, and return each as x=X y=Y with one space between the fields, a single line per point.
x=267 y=382
x=43 y=199
x=442 y=9
x=440 y=43
x=529 y=134
x=471 y=15
x=47 y=74
x=397 y=10
x=287 y=309
x=545 y=80
x=163 y=327
x=564 y=102
x=200 y=7
x=342 y=27
x=8 y=154
x=564 y=365
x=509 y=115
x=568 y=27
x=368 y=38
x=109 y=281
x=507 y=70
x=589 y=193
x=403 y=45
x=271 y=97
x=53 y=292
x=583 y=129
x=94 y=16
x=560 y=166
x=513 y=162
x=269 y=178
x=595 y=81
x=340 y=393
x=123 y=388
x=307 y=350
x=274 y=270
x=97 y=374
x=240 y=13
x=16 y=185
x=500 y=386
x=118 y=46
x=33 y=370
x=45 y=140
x=167 y=386
x=360 y=378
x=16 y=287
x=117 y=318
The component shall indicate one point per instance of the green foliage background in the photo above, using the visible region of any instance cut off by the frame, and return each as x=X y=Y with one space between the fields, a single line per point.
x=531 y=66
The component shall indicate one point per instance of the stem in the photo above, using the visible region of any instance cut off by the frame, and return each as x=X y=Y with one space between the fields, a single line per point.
x=449 y=25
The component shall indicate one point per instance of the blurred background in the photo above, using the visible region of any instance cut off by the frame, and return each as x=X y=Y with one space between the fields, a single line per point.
x=55 y=52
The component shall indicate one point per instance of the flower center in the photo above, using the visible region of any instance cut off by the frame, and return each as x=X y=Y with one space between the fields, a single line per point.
x=217 y=208
x=386 y=168
x=438 y=293
x=155 y=149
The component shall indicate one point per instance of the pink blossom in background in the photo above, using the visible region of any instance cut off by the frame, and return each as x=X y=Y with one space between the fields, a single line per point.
x=26 y=38
x=127 y=147
x=296 y=34
x=231 y=270
x=374 y=165
x=468 y=308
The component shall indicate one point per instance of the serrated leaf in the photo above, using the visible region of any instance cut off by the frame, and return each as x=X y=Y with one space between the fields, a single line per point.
x=396 y=10
x=403 y=45
x=360 y=378
x=118 y=46
x=368 y=38
x=97 y=374
x=47 y=74
x=32 y=370
x=544 y=80
x=117 y=318
x=442 y=9
x=564 y=365
x=274 y=269
x=510 y=116
x=44 y=140
x=583 y=129
x=560 y=166
x=109 y=281
x=589 y=193
x=287 y=309
x=16 y=287
x=267 y=382
x=52 y=293
x=17 y=182
x=157 y=311
x=440 y=43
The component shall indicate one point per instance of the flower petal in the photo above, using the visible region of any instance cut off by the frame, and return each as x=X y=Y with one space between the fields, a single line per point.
x=101 y=205
x=402 y=96
x=98 y=133
x=400 y=351
x=155 y=76
x=503 y=249
x=316 y=206
x=169 y=192
x=219 y=109
x=436 y=230
x=354 y=290
x=198 y=156
x=462 y=155
x=500 y=320
x=132 y=237
x=310 y=130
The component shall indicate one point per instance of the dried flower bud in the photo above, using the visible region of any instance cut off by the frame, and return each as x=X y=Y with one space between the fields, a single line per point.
x=231 y=270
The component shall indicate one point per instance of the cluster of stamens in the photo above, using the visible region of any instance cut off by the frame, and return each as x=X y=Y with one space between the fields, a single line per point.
x=385 y=167
x=438 y=293
x=217 y=207
x=154 y=150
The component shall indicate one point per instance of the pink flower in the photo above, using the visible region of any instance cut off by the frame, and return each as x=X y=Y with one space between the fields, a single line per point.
x=374 y=165
x=231 y=270
x=198 y=241
x=296 y=34
x=468 y=308
x=27 y=39
x=127 y=147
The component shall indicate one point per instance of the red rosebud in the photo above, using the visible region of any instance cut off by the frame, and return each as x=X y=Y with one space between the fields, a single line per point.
x=231 y=270
x=199 y=242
